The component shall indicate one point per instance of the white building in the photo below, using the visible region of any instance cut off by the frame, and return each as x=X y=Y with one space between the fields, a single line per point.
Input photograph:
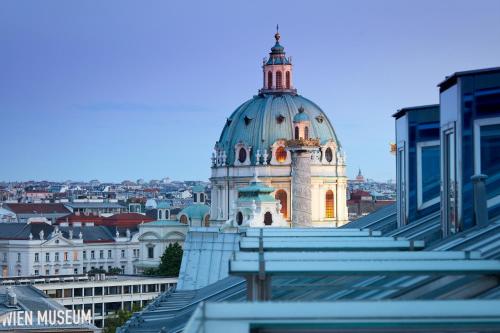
x=154 y=238
x=41 y=249
x=102 y=294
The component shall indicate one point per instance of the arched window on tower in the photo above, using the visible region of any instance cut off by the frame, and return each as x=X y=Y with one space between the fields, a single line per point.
x=184 y=219
x=287 y=78
x=279 y=80
x=329 y=206
x=306 y=133
x=281 y=196
x=269 y=80
x=296 y=132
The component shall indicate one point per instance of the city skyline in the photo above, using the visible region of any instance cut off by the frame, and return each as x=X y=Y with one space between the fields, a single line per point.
x=110 y=98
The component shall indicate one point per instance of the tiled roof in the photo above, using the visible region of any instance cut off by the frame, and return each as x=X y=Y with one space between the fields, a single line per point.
x=37 y=208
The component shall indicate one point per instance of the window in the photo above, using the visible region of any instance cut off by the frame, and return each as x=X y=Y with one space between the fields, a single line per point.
x=160 y=214
x=123 y=253
x=269 y=80
x=268 y=218
x=167 y=214
x=75 y=255
x=207 y=220
x=296 y=132
x=19 y=257
x=400 y=183
x=123 y=270
x=75 y=271
x=428 y=173
x=151 y=252
x=37 y=257
x=65 y=256
x=92 y=254
x=84 y=270
x=84 y=255
x=281 y=154
x=242 y=155
x=184 y=219
x=287 y=77
x=202 y=197
x=487 y=158
x=328 y=154
x=47 y=272
x=239 y=218
x=329 y=212
x=449 y=185
x=306 y=133
x=56 y=271
x=279 y=80
x=282 y=197
x=101 y=254
x=18 y=272
x=109 y=254
x=37 y=272
x=56 y=256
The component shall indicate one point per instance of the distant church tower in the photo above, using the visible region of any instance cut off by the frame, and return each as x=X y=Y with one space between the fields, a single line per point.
x=290 y=143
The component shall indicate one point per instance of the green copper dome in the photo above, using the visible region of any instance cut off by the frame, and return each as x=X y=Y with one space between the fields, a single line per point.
x=265 y=118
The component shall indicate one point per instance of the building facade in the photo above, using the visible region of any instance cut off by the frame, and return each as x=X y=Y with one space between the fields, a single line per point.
x=41 y=249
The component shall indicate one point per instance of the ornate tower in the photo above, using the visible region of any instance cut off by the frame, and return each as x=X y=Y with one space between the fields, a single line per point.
x=277 y=70
x=301 y=148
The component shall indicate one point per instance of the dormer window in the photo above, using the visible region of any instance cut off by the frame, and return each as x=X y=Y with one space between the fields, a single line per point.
x=328 y=154
x=247 y=120
x=242 y=155
x=280 y=119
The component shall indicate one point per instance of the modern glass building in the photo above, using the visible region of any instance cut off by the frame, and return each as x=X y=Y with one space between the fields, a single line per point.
x=470 y=139
x=417 y=162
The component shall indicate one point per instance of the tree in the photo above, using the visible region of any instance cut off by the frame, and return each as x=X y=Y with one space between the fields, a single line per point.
x=114 y=271
x=170 y=261
x=116 y=320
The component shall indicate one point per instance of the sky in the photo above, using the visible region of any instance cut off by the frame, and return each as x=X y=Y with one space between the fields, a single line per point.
x=115 y=90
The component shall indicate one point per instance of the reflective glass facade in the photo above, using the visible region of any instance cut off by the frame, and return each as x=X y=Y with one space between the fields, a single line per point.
x=470 y=108
x=418 y=162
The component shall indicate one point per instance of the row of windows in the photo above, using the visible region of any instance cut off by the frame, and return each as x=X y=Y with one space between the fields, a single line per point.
x=281 y=153
x=111 y=290
x=65 y=256
x=279 y=80
x=281 y=196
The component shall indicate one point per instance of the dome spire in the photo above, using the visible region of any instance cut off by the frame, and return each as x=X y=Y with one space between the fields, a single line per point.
x=277 y=70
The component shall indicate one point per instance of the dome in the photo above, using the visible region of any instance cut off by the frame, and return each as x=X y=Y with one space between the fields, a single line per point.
x=301 y=116
x=195 y=211
x=265 y=118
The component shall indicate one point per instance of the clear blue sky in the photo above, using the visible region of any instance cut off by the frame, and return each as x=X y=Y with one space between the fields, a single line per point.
x=120 y=89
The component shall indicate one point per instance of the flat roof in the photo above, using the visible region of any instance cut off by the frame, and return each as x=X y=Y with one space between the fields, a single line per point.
x=451 y=79
x=348 y=316
x=401 y=112
x=366 y=267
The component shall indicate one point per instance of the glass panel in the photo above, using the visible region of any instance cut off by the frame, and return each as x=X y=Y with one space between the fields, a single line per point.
x=430 y=173
x=490 y=158
x=450 y=178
